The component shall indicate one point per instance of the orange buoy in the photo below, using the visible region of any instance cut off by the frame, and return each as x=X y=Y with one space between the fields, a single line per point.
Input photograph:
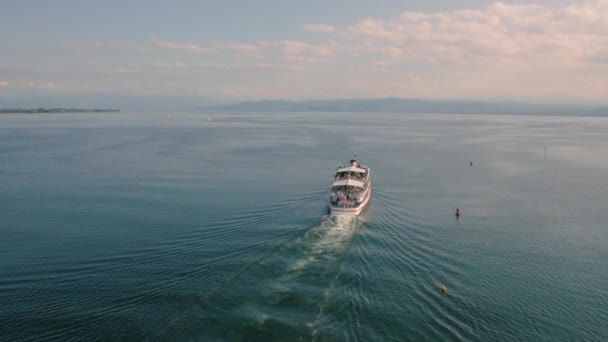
x=444 y=289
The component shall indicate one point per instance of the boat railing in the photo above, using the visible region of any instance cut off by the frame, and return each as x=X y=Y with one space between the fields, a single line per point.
x=344 y=205
x=359 y=178
x=353 y=199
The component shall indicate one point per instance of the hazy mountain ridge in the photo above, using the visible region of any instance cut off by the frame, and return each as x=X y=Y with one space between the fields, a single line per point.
x=401 y=105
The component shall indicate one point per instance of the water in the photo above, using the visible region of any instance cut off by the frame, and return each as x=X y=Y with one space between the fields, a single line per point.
x=165 y=226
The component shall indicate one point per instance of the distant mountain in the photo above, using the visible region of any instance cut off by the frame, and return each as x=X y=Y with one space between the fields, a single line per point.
x=400 y=105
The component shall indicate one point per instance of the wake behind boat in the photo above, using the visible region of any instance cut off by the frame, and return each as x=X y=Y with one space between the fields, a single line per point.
x=351 y=190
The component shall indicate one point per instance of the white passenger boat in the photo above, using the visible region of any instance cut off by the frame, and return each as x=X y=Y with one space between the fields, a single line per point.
x=351 y=190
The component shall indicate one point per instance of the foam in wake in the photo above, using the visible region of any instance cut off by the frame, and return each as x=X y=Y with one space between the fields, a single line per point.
x=303 y=271
x=278 y=297
x=323 y=242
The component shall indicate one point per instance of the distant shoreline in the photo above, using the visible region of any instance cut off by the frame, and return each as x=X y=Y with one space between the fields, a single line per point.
x=56 y=110
x=412 y=105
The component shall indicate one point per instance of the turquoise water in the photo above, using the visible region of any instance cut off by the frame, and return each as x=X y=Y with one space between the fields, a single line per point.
x=164 y=226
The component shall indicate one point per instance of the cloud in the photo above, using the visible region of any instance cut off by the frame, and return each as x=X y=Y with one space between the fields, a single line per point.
x=292 y=47
x=319 y=28
x=514 y=50
x=500 y=32
x=268 y=49
x=42 y=85
x=501 y=50
x=104 y=45
x=243 y=48
x=189 y=47
x=3 y=84
x=373 y=28
x=412 y=77
x=392 y=52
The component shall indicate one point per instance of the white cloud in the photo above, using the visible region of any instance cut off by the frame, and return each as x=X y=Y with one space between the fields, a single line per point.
x=244 y=48
x=42 y=85
x=412 y=77
x=103 y=45
x=319 y=28
x=3 y=84
x=392 y=52
x=373 y=28
x=268 y=49
x=189 y=47
x=530 y=51
x=503 y=50
x=500 y=32
x=291 y=47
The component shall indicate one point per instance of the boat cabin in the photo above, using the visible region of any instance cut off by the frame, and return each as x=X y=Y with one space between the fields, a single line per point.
x=349 y=185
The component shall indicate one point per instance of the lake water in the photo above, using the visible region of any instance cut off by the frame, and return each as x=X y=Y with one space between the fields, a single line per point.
x=168 y=227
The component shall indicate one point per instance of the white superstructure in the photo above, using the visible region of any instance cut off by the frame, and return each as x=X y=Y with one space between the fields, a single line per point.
x=351 y=190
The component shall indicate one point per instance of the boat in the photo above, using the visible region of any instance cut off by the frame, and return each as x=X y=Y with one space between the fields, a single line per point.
x=351 y=190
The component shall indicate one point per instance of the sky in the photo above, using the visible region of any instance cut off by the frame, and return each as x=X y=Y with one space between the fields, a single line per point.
x=187 y=52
